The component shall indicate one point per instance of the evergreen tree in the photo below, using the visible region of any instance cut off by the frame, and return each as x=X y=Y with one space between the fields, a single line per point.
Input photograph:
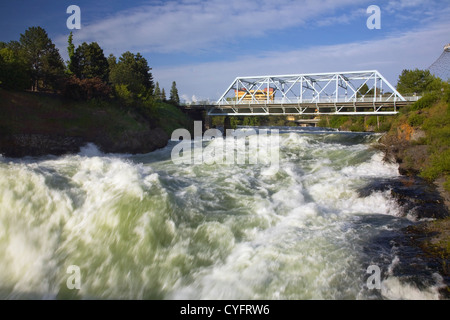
x=174 y=98
x=112 y=62
x=43 y=58
x=132 y=70
x=157 y=92
x=163 y=95
x=89 y=62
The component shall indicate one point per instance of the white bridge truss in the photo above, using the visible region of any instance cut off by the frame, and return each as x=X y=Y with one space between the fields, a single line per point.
x=340 y=93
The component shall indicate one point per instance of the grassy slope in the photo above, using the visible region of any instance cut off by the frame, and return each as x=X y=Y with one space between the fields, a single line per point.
x=27 y=112
x=170 y=118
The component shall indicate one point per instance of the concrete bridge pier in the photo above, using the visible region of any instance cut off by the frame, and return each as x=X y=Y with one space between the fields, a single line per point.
x=206 y=121
x=226 y=124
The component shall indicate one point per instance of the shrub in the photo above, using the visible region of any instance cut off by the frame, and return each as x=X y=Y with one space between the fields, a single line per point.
x=416 y=119
x=124 y=95
x=85 y=89
x=426 y=101
x=440 y=165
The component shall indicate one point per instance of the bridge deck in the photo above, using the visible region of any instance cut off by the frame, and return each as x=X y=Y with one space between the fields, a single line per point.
x=323 y=108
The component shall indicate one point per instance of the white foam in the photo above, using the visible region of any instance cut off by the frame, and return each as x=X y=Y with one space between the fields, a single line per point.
x=90 y=150
x=376 y=167
x=193 y=231
x=394 y=289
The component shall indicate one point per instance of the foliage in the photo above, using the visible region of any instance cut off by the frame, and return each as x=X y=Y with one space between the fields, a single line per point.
x=416 y=119
x=124 y=95
x=427 y=100
x=133 y=71
x=157 y=92
x=13 y=70
x=169 y=117
x=71 y=52
x=333 y=121
x=85 y=89
x=89 y=62
x=416 y=81
x=42 y=58
x=251 y=121
x=53 y=114
x=174 y=98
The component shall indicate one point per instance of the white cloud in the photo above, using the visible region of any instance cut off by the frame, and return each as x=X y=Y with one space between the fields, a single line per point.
x=399 y=5
x=408 y=50
x=184 y=26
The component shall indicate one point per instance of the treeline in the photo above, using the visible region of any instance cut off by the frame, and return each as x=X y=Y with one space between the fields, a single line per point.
x=34 y=63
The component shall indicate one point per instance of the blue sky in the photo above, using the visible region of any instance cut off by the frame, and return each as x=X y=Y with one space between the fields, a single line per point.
x=204 y=45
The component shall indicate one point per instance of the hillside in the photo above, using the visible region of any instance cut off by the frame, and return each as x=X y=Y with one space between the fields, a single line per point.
x=34 y=124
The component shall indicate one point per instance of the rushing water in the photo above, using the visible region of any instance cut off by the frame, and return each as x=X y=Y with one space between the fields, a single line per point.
x=142 y=227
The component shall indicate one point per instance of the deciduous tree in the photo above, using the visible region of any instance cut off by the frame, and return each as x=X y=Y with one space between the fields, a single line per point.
x=416 y=81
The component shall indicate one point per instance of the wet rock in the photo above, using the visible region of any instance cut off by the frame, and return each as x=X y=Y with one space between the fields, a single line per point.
x=134 y=142
x=21 y=145
x=417 y=197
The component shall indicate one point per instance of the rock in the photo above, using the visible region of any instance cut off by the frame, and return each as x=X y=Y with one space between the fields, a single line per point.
x=134 y=142
x=21 y=145
x=417 y=197
x=418 y=135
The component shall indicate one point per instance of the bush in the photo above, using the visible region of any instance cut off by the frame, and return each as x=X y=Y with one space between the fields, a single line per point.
x=385 y=126
x=338 y=121
x=426 y=101
x=440 y=165
x=86 y=89
x=416 y=120
x=124 y=95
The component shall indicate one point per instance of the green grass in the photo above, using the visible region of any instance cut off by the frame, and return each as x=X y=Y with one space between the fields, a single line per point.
x=170 y=118
x=437 y=128
x=27 y=112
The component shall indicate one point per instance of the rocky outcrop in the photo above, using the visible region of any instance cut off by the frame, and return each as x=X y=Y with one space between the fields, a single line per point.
x=21 y=145
x=403 y=147
x=134 y=142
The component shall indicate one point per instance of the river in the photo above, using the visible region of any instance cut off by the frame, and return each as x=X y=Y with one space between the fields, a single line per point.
x=143 y=227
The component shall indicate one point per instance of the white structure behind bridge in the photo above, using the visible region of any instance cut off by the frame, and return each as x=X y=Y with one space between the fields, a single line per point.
x=349 y=93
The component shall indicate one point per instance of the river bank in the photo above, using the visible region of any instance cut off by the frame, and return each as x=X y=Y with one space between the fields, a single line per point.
x=428 y=199
x=37 y=124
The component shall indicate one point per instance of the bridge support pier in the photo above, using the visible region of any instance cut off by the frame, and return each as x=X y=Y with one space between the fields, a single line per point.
x=207 y=122
x=227 y=124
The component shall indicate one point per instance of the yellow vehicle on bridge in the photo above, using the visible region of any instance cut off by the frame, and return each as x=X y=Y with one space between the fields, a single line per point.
x=258 y=95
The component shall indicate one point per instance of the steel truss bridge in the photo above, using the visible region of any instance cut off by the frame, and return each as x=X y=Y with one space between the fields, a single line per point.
x=313 y=94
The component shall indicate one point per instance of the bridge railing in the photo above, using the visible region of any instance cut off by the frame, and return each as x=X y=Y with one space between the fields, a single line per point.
x=317 y=100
